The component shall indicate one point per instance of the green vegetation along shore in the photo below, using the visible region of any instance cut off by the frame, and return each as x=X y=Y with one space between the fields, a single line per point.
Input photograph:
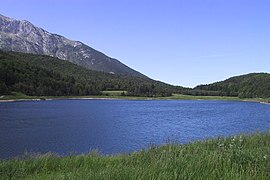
x=15 y=96
x=238 y=157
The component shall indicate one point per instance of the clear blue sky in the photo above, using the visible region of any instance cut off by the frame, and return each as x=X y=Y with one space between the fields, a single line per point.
x=182 y=42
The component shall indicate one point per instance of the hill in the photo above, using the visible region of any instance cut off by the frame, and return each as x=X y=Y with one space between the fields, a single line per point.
x=40 y=75
x=251 y=85
x=22 y=36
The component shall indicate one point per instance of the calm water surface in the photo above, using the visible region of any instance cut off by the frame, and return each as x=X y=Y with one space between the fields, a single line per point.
x=116 y=126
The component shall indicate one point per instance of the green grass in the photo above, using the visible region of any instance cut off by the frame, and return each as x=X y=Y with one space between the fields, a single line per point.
x=106 y=95
x=118 y=95
x=189 y=97
x=16 y=95
x=226 y=98
x=113 y=93
x=241 y=157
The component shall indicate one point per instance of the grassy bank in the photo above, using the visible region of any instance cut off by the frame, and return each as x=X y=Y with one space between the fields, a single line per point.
x=226 y=98
x=117 y=95
x=241 y=157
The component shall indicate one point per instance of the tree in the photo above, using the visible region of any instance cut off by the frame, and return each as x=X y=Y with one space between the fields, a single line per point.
x=3 y=88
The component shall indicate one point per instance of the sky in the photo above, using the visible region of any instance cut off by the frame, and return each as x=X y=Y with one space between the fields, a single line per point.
x=181 y=42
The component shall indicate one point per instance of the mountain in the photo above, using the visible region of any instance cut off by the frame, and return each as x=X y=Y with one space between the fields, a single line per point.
x=22 y=36
x=34 y=74
x=247 y=86
x=39 y=75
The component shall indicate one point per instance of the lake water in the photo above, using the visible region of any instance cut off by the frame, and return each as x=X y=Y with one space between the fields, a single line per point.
x=117 y=126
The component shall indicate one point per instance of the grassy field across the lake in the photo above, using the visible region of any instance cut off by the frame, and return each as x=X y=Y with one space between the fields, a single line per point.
x=15 y=96
x=240 y=157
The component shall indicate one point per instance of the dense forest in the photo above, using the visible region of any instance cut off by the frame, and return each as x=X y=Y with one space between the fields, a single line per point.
x=41 y=75
x=44 y=75
x=246 y=86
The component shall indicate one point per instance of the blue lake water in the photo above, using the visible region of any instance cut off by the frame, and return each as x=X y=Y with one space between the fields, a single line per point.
x=117 y=126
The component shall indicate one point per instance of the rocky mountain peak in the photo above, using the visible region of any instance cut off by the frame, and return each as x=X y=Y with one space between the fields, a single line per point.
x=23 y=36
x=6 y=18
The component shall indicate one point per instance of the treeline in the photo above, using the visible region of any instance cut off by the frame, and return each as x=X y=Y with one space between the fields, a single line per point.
x=149 y=90
x=21 y=76
x=199 y=92
x=43 y=75
x=252 y=85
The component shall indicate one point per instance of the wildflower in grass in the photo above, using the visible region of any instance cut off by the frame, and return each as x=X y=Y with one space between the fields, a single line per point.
x=265 y=156
x=220 y=144
x=240 y=139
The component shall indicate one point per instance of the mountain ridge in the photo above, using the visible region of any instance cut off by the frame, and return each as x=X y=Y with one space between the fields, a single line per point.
x=39 y=75
x=44 y=75
x=23 y=36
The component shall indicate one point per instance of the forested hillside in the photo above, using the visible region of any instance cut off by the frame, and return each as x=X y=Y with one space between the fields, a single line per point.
x=44 y=75
x=246 y=86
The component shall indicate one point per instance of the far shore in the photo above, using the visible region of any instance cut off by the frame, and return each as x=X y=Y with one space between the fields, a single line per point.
x=174 y=97
x=79 y=98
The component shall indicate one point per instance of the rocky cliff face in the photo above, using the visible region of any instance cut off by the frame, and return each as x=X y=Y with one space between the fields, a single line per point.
x=22 y=36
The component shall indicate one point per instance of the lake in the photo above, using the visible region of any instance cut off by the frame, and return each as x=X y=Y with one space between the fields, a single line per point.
x=121 y=126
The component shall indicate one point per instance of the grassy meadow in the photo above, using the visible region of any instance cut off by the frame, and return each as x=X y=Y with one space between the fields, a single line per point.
x=119 y=95
x=238 y=157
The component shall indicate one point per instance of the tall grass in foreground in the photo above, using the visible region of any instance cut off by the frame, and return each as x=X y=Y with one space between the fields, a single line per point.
x=240 y=157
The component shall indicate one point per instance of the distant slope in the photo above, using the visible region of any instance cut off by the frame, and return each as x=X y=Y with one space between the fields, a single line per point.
x=22 y=36
x=44 y=75
x=249 y=85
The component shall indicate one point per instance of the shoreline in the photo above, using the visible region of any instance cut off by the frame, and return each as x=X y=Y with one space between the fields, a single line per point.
x=233 y=157
x=134 y=98
x=18 y=100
